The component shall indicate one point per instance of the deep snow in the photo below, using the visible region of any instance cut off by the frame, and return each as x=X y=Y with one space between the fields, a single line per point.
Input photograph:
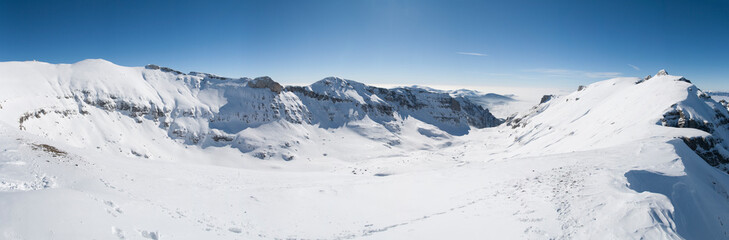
x=605 y=162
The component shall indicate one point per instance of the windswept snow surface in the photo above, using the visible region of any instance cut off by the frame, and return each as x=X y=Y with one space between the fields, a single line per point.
x=608 y=162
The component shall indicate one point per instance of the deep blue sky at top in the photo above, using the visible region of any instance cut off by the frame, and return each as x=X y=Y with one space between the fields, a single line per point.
x=515 y=43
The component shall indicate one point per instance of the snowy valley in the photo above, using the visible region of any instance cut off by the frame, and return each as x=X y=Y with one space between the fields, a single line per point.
x=93 y=150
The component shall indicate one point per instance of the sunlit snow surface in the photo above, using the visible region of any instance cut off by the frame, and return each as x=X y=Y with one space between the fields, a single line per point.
x=592 y=164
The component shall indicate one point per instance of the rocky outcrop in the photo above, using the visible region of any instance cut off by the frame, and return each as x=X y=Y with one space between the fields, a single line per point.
x=209 y=76
x=546 y=98
x=678 y=119
x=710 y=149
x=646 y=78
x=662 y=72
x=152 y=67
x=265 y=82
x=164 y=69
x=683 y=79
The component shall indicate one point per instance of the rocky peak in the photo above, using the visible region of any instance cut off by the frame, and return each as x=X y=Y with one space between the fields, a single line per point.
x=662 y=72
x=546 y=98
x=265 y=82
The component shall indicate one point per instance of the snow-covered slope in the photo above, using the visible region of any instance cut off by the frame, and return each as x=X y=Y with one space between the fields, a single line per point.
x=97 y=151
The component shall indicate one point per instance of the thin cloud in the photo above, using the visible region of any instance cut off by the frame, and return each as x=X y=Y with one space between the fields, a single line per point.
x=573 y=73
x=634 y=67
x=472 y=54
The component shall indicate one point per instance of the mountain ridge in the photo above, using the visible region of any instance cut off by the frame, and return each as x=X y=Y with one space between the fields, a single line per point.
x=202 y=108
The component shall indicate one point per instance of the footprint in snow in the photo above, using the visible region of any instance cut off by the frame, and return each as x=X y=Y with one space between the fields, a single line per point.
x=149 y=235
x=117 y=232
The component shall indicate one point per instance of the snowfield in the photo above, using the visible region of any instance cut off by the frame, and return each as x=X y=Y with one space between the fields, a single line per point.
x=93 y=150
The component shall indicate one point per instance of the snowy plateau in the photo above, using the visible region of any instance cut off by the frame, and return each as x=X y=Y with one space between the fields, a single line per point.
x=93 y=150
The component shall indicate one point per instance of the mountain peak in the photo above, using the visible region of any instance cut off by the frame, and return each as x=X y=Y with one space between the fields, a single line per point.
x=336 y=81
x=336 y=84
x=662 y=72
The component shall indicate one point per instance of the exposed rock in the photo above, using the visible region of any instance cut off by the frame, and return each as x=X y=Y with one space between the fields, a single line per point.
x=581 y=87
x=662 y=72
x=208 y=75
x=166 y=69
x=546 y=98
x=708 y=149
x=646 y=78
x=683 y=80
x=265 y=82
x=677 y=118
x=152 y=66
x=55 y=152
x=222 y=138
x=703 y=95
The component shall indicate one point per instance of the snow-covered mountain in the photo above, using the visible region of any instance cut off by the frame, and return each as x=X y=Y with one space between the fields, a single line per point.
x=93 y=150
x=208 y=110
x=499 y=105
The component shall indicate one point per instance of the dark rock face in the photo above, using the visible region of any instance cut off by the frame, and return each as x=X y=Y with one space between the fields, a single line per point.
x=646 y=78
x=514 y=122
x=152 y=67
x=265 y=82
x=546 y=98
x=164 y=69
x=678 y=119
x=706 y=148
x=684 y=80
x=581 y=87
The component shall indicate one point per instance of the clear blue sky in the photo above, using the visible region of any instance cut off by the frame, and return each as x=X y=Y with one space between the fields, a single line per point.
x=513 y=43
